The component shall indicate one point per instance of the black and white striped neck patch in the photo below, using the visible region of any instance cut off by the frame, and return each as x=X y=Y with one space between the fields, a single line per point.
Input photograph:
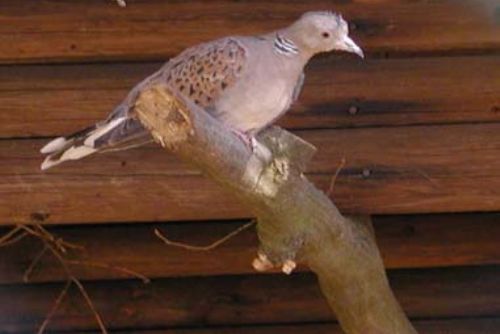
x=285 y=46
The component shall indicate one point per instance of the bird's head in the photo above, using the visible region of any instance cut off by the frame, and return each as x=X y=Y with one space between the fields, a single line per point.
x=323 y=31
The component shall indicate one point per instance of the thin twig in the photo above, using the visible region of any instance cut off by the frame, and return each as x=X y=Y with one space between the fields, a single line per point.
x=55 y=307
x=46 y=236
x=13 y=240
x=33 y=264
x=335 y=176
x=213 y=245
x=56 y=248
x=91 y=305
x=33 y=232
x=73 y=279
x=40 y=232
x=5 y=238
x=109 y=266
x=59 y=242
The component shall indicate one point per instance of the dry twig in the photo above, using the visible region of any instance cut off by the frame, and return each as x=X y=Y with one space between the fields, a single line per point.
x=54 y=308
x=10 y=237
x=87 y=298
x=124 y=270
x=33 y=264
x=59 y=249
x=209 y=247
x=73 y=279
x=335 y=176
x=58 y=242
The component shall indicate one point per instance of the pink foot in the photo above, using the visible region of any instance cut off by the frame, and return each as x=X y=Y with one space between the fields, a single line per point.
x=247 y=139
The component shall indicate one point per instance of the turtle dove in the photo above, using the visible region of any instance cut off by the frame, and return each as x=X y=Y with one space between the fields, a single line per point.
x=244 y=82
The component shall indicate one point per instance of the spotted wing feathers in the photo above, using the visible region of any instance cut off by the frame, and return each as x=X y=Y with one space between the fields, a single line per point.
x=204 y=72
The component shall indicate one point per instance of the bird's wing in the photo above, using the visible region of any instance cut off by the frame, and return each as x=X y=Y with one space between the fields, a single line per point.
x=202 y=73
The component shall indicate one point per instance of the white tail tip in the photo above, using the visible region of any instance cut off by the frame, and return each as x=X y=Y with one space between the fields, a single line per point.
x=73 y=153
x=48 y=162
x=54 y=145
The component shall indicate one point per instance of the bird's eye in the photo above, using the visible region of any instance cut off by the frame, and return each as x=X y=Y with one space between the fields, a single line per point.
x=325 y=35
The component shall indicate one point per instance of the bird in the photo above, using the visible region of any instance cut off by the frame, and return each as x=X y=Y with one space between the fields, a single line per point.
x=245 y=82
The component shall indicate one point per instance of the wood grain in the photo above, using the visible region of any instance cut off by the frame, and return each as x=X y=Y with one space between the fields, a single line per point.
x=404 y=241
x=55 y=100
x=242 y=300
x=388 y=170
x=442 y=326
x=53 y=30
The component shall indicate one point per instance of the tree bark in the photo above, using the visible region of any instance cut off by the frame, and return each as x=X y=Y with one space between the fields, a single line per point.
x=295 y=220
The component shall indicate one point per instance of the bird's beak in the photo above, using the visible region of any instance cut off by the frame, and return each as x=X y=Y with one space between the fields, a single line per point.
x=348 y=45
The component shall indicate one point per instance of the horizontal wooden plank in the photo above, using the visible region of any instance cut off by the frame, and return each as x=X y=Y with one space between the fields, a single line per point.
x=60 y=99
x=441 y=326
x=404 y=241
x=95 y=30
x=239 y=300
x=388 y=170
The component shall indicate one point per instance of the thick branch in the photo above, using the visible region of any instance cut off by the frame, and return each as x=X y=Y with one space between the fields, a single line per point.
x=295 y=219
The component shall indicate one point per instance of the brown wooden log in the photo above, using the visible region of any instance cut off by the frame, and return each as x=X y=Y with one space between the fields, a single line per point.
x=405 y=242
x=243 y=300
x=92 y=30
x=420 y=169
x=454 y=326
x=60 y=99
x=295 y=220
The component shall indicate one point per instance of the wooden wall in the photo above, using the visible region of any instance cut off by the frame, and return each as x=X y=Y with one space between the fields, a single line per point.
x=418 y=123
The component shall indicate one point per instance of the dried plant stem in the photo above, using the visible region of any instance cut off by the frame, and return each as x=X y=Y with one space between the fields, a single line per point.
x=58 y=248
x=335 y=176
x=54 y=308
x=87 y=298
x=4 y=240
x=109 y=266
x=9 y=234
x=73 y=279
x=13 y=240
x=58 y=242
x=213 y=245
x=33 y=264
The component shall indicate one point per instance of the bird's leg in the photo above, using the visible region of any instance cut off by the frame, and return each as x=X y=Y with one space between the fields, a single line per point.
x=248 y=139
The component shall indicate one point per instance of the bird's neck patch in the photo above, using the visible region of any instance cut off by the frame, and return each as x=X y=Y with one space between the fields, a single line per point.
x=285 y=46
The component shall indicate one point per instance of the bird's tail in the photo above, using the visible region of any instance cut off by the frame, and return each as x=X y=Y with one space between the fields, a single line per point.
x=118 y=133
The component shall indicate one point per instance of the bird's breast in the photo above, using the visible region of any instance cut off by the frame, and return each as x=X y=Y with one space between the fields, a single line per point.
x=253 y=106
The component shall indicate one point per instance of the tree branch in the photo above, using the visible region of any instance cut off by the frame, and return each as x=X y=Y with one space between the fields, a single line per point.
x=295 y=219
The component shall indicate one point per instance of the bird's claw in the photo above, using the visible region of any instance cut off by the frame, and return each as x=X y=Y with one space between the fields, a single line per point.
x=248 y=140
